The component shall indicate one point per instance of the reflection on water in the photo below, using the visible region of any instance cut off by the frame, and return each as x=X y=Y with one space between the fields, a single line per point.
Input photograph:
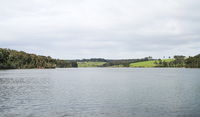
x=100 y=92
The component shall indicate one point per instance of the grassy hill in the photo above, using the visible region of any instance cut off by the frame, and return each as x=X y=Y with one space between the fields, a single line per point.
x=137 y=64
x=148 y=63
x=90 y=64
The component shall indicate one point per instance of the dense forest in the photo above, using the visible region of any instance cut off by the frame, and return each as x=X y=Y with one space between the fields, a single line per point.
x=12 y=59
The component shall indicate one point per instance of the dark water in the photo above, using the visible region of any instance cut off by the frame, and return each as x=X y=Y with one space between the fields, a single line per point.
x=100 y=92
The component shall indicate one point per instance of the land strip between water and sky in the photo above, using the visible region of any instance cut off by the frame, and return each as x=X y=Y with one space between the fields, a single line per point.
x=12 y=59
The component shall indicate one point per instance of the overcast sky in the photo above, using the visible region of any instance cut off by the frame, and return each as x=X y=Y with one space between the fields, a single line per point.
x=76 y=29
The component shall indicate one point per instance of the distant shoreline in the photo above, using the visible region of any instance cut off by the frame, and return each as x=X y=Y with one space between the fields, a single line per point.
x=12 y=59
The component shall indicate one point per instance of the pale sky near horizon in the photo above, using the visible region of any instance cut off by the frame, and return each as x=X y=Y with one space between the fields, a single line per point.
x=112 y=29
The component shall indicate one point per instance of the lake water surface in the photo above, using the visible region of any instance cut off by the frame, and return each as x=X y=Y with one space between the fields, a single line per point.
x=100 y=92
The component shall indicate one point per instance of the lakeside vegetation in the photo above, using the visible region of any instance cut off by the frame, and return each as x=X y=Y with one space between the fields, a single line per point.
x=151 y=63
x=12 y=59
x=176 y=61
x=193 y=62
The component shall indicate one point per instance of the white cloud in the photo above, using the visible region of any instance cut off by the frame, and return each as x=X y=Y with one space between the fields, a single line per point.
x=110 y=29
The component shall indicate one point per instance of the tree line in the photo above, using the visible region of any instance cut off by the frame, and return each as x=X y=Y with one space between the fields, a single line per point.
x=193 y=62
x=12 y=59
x=124 y=62
x=177 y=61
x=180 y=61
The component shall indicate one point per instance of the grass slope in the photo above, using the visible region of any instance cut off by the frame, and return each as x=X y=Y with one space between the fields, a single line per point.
x=148 y=63
x=90 y=64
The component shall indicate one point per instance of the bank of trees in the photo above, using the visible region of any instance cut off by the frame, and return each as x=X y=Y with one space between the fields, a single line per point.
x=12 y=59
x=181 y=61
x=123 y=62
x=193 y=62
x=92 y=60
x=65 y=63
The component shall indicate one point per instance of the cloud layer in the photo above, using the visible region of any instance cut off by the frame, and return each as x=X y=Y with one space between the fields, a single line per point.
x=70 y=29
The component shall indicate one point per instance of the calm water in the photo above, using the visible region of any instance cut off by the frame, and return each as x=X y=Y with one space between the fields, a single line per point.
x=100 y=92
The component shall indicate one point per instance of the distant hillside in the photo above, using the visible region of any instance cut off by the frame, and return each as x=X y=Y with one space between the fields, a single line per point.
x=101 y=62
x=176 y=61
x=151 y=63
x=12 y=59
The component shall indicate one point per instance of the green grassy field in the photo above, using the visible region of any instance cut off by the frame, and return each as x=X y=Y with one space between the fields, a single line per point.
x=137 y=64
x=90 y=64
x=148 y=63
